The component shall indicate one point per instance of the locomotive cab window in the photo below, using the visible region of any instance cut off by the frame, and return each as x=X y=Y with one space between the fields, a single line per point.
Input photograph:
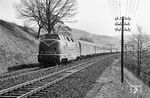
x=50 y=36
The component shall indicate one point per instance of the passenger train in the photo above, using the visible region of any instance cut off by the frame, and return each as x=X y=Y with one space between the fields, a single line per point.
x=57 y=48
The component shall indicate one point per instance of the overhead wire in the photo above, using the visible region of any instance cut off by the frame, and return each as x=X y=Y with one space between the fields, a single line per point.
x=116 y=8
x=123 y=7
x=110 y=8
x=113 y=8
x=138 y=1
x=133 y=7
x=119 y=4
x=130 y=7
x=127 y=8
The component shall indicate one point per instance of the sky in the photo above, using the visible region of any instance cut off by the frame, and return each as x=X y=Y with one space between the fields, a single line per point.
x=93 y=16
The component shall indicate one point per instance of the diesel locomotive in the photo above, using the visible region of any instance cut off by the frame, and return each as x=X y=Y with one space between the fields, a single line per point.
x=56 y=48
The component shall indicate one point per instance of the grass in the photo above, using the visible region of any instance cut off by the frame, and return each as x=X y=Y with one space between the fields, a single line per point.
x=17 y=47
x=131 y=63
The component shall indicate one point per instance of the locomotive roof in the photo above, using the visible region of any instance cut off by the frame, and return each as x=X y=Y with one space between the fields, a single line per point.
x=63 y=37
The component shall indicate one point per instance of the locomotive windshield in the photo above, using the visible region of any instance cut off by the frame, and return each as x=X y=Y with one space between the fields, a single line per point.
x=50 y=36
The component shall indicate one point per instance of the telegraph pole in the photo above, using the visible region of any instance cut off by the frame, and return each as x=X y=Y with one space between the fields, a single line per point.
x=122 y=50
x=122 y=29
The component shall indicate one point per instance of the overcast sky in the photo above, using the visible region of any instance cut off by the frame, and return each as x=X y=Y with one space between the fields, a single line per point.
x=93 y=16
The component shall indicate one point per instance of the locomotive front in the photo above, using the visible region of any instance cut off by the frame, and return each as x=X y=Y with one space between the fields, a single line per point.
x=49 y=49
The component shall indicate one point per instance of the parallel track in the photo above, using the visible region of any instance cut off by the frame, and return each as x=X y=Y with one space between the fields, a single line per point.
x=31 y=87
x=20 y=74
x=15 y=74
x=9 y=74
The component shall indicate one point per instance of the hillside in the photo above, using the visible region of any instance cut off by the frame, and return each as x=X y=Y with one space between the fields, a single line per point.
x=16 y=46
x=99 y=39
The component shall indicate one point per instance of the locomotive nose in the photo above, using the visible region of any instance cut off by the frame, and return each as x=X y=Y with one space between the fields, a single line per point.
x=49 y=47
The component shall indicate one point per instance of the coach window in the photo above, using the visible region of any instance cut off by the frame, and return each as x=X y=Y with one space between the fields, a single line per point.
x=68 y=39
x=61 y=38
x=72 y=40
x=64 y=38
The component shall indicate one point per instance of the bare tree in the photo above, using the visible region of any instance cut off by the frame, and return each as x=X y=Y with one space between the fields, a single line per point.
x=47 y=13
x=137 y=47
x=31 y=10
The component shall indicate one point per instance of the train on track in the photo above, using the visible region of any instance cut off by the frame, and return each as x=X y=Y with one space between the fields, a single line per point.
x=57 y=48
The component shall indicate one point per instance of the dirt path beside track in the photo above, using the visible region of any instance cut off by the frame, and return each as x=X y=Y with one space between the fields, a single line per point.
x=109 y=86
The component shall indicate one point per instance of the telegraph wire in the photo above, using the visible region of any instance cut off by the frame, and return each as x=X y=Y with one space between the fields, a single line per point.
x=116 y=8
x=113 y=8
x=110 y=8
x=119 y=4
x=123 y=7
x=138 y=1
x=135 y=3
x=127 y=8
x=133 y=7
x=130 y=7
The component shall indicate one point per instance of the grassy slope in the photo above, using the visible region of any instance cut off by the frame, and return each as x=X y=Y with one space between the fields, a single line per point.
x=16 y=46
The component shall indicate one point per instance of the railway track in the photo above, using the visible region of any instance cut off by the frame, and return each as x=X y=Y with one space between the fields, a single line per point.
x=16 y=78
x=12 y=75
x=22 y=73
x=31 y=87
x=15 y=73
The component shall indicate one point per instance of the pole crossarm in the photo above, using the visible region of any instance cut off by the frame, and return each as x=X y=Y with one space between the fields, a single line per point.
x=119 y=24
x=125 y=29
x=120 y=18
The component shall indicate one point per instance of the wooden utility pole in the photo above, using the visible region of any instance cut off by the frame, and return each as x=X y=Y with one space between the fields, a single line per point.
x=122 y=50
x=122 y=29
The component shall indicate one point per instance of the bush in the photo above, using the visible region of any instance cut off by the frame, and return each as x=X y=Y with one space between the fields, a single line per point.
x=23 y=66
